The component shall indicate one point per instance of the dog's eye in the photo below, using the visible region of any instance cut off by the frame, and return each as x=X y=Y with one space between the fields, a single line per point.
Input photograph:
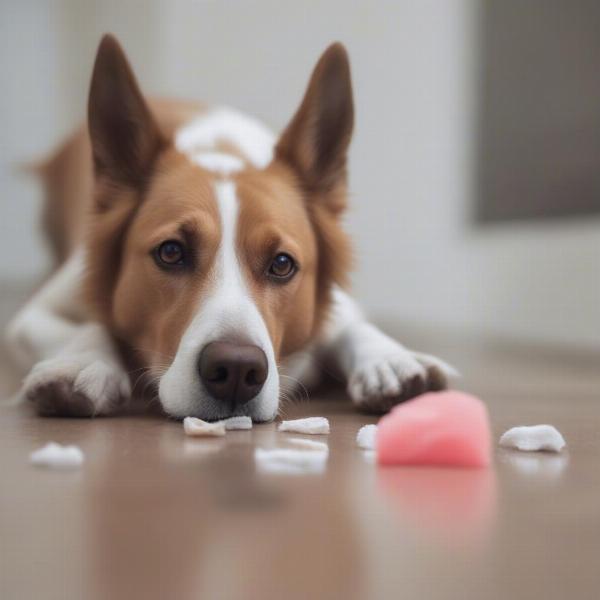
x=170 y=254
x=282 y=267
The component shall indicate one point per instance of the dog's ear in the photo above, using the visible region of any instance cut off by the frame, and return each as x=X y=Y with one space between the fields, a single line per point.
x=124 y=135
x=315 y=143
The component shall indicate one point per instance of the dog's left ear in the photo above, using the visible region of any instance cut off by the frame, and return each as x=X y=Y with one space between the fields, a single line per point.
x=315 y=143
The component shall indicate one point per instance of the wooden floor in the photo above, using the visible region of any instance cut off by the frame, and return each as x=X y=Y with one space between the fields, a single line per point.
x=155 y=515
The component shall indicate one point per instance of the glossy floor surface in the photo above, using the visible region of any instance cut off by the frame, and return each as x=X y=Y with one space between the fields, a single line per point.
x=153 y=514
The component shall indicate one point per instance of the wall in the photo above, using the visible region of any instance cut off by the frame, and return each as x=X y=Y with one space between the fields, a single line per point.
x=412 y=162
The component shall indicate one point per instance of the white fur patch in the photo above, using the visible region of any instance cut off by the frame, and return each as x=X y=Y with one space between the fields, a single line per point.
x=533 y=438
x=312 y=425
x=255 y=141
x=228 y=312
x=234 y=423
x=199 y=428
x=57 y=457
x=365 y=438
x=41 y=329
x=218 y=162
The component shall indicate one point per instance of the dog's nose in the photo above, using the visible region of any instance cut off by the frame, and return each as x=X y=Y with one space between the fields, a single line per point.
x=231 y=373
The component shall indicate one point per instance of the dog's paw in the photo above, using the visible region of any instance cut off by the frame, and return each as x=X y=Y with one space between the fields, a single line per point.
x=378 y=384
x=76 y=387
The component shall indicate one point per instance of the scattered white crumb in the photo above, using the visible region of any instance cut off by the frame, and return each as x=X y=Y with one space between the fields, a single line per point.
x=533 y=438
x=311 y=444
x=312 y=425
x=56 y=456
x=365 y=438
x=285 y=460
x=198 y=427
x=238 y=423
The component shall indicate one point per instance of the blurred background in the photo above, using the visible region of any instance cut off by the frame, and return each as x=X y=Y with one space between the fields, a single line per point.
x=475 y=167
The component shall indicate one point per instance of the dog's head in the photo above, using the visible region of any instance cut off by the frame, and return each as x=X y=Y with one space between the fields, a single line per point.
x=211 y=274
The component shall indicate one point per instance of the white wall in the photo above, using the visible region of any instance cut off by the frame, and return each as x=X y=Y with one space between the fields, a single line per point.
x=46 y=55
x=30 y=116
x=412 y=161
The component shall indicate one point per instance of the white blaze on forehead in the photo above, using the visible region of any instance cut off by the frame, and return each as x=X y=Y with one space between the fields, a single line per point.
x=227 y=312
x=229 y=277
x=250 y=136
x=219 y=162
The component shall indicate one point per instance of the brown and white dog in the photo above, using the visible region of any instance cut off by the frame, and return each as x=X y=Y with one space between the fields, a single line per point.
x=196 y=247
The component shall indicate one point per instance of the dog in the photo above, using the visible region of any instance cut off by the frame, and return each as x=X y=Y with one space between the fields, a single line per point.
x=202 y=254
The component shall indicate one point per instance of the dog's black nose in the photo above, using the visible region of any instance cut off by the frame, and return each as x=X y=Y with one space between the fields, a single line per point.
x=231 y=373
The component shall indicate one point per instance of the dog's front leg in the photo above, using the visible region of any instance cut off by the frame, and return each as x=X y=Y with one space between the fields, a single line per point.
x=84 y=379
x=76 y=370
x=379 y=371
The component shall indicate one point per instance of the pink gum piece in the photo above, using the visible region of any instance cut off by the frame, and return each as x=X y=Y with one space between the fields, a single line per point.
x=437 y=429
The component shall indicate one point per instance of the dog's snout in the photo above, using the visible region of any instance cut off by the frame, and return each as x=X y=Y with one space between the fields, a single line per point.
x=232 y=373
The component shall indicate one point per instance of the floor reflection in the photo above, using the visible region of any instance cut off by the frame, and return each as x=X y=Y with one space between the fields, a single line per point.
x=541 y=466
x=452 y=506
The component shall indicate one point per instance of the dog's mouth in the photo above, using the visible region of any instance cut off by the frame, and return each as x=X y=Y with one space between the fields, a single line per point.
x=211 y=410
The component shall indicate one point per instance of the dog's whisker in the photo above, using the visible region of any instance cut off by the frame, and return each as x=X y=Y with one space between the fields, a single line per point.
x=153 y=352
x=298 y=385
x=149 y=375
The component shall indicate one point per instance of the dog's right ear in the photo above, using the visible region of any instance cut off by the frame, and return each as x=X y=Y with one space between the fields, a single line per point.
x=124 y=135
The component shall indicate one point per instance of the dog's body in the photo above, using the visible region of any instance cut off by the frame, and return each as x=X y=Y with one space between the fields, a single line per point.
x=197 y=248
